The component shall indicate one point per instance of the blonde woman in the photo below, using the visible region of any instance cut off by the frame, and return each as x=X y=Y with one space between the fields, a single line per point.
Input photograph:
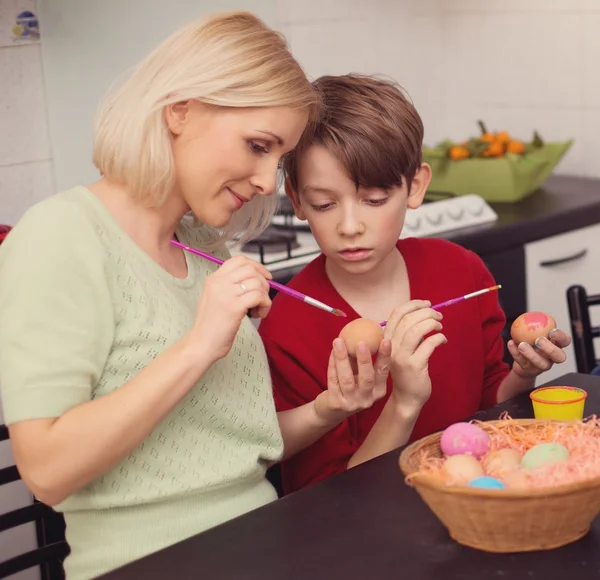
x=136 y=390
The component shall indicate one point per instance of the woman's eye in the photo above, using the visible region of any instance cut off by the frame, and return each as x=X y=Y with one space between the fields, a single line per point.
x=257 y=147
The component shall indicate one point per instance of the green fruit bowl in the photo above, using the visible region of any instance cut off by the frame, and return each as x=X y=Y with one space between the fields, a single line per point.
x=506 y=179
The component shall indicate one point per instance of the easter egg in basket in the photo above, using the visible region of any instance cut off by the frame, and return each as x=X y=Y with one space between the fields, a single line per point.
x=465 y=438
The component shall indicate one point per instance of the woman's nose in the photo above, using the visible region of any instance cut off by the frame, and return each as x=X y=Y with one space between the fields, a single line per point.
x=265 y=180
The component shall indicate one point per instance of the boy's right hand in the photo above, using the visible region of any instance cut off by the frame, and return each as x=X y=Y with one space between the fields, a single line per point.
x=407 y=328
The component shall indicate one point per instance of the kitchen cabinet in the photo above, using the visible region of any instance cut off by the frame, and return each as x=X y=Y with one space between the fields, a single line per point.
x=551 y=266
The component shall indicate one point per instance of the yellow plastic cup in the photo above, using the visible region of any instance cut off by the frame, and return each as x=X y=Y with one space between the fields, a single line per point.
x=562 y=403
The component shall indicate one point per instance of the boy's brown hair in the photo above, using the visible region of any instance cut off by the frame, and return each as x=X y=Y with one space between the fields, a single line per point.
x=369 y=126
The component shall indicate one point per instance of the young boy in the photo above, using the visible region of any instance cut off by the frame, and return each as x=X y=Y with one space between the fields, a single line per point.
x=352 y=178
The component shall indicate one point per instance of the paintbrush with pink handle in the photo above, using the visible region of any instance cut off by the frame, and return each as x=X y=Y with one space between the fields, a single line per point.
x=272 y=284
x=459 y=299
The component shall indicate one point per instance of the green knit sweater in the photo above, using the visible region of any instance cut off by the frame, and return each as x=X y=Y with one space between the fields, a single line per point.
x=82 y=310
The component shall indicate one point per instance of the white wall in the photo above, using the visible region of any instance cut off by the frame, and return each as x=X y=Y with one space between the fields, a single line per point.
x=25 y=157
x=454 y=57
x=518 y=64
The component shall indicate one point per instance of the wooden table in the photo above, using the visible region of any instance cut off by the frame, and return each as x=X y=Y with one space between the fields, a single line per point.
x=363 y=524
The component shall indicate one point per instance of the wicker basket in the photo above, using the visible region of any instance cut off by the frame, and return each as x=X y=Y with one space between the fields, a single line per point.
x=506 y=520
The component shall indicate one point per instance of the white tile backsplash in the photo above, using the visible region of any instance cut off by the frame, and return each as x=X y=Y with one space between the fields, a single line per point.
x=588 y=144
x=589 y=69
x=519 y=65
x=539 y=66
x=411 y=51
x=314 y=11
x=26 y=170
x=589 y=5
x=318 y=47
x=510 y=5
x=391 y=10
x=24 y=134
x=9 y=9
x=23 y=185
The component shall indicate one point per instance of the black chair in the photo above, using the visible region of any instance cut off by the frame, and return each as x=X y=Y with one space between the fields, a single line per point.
x=274 y=476
x=582 y=331
x=50 y=528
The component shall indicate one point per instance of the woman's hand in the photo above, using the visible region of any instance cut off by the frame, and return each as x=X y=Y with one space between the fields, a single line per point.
x=348 y=393
x=239 y=285
x=407 y=328
x=531 y=362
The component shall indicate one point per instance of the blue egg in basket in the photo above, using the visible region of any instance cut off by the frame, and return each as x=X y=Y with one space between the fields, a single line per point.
x=486 y=482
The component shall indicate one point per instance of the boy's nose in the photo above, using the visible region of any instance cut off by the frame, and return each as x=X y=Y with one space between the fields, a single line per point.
x=350 y=225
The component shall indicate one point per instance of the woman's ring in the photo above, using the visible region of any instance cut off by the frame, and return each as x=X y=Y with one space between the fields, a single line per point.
x=244 y=289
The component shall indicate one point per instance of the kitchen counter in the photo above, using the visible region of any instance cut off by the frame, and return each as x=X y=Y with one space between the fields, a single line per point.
x=563 y=204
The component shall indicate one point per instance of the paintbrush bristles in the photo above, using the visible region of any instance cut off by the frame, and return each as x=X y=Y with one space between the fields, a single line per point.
x=479 y=292
x=337 y=312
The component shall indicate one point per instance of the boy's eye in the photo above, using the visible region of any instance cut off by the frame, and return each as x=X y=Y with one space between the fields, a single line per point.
x=322 y=207
x=379 y=201
x=257 y=147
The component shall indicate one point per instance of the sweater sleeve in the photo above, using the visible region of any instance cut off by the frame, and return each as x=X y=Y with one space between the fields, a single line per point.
x=294 y=386
x=493 y=321
x=56 y=319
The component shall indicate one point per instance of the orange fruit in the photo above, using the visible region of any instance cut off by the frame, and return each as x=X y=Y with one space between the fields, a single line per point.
x=495 y=149
x=457 y=152
x=515 y=147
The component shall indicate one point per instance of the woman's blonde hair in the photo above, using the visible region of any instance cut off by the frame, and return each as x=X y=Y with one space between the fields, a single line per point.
x=230 y=60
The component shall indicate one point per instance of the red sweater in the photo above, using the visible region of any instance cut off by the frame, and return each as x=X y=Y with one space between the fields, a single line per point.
x=465 y=373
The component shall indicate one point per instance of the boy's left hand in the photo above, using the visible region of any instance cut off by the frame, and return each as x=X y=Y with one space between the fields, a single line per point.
x=531 y=361
x=348 y=391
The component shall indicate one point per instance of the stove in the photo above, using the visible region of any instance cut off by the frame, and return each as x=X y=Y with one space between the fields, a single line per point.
x=273 y=240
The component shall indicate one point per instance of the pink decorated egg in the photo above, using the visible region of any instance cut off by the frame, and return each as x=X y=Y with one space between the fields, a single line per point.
x=530 y=326
x=465 y=439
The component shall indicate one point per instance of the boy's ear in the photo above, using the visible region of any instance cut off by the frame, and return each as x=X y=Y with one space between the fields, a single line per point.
x=419 y=186
x=294 y=198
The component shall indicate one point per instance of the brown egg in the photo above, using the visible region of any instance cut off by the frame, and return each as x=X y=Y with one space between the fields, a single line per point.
x=500 y=462
x=530 y=326
x=362 y=330
x=460 y=469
